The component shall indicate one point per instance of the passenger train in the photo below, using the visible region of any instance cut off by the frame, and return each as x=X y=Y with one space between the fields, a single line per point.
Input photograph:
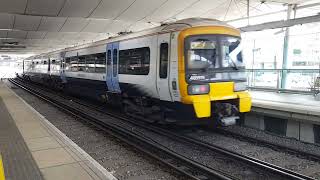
x=189 y=71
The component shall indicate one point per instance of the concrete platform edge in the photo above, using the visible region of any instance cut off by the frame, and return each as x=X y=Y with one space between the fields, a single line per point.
x=91 y=163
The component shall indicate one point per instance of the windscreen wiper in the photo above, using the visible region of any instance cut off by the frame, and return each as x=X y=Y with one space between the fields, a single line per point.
x=233 y=54
x=234 y=65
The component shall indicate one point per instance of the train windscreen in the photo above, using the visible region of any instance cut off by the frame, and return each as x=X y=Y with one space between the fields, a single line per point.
x=214 y=58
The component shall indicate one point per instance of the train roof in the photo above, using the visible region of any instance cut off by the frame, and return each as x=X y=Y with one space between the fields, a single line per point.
x=164 y=28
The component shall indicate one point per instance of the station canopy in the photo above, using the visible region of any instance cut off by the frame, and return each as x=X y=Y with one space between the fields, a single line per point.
x=37 y=26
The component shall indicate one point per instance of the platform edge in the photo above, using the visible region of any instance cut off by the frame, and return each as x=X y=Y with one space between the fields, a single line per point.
x=51 y=127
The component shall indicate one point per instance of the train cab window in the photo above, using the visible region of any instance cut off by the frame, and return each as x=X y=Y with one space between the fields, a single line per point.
x=115 y=62
x=164 y=57
x=100 y=62
x=134 y=61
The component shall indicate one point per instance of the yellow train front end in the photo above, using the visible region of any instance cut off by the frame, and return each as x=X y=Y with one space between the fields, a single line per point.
x=212 y=74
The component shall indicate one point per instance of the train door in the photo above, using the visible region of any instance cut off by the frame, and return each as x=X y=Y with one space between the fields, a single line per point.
x=163 y=62
x=112 y=77
x=115 y=61
x=109 y=68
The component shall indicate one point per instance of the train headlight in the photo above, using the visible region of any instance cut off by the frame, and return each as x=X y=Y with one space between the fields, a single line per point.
x=240 y=86
x=198 y=89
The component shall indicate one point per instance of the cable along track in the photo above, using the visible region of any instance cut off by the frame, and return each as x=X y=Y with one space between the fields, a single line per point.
x=163 y=145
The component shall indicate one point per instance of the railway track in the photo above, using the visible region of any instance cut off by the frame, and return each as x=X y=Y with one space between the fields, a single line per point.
x=265 y=143
x=254 y=168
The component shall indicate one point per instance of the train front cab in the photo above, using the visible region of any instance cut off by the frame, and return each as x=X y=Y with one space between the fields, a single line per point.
x=213 y=88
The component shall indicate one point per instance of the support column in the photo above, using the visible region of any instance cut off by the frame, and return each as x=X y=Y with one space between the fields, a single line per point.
x=285 y=49
x=248 y=11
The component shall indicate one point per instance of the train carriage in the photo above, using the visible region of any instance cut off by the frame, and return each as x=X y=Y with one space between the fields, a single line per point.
x=189 y=71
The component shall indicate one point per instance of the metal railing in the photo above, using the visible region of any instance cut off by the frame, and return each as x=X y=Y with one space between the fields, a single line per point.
x=284 y=80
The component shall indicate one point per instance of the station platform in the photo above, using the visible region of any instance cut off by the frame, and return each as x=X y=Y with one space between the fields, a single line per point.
x=293 y=115
x=32 y=148
x=299 y=103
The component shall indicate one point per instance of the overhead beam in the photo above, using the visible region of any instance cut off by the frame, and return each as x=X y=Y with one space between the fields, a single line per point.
x=281 y=24
x=276 y=12
x=45 y=15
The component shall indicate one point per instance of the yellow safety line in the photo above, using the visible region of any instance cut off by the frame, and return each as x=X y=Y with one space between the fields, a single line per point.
x=2 y=177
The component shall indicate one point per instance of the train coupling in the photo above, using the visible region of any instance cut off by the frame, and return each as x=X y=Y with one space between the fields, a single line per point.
x=229 y=121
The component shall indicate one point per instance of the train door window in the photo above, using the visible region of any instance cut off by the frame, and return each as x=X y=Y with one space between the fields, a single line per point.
x=164 y=57
x=100 y=62
x=134 y=61
x=115 y=62
x=109 y=57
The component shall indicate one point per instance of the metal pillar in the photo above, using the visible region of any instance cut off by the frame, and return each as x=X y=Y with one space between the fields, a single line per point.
x=248 y=11
x=285 y=50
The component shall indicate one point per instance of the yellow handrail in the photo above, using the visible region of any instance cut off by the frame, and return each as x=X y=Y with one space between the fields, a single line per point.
x=2 y=177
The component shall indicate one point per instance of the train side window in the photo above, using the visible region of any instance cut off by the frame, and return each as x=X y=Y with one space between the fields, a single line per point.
x=90 y=63
x=44 y=62
x=163 y=68
x=55 y=65
x=74 y=64
x=81 y=63
x=67 y=64
x=100 y=62
x=115 y=62
x=134 y=61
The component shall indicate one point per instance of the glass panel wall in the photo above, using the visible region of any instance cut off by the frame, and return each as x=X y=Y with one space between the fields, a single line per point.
x=268 y=67
x=263 y=53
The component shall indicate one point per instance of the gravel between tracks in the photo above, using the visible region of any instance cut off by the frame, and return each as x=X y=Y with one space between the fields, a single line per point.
x=117 y=157
x=273 y=156
x=280 y=140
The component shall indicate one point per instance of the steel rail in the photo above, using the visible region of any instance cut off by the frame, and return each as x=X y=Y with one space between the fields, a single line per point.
x=268 y=144
x=185 y=166
x=246 y=159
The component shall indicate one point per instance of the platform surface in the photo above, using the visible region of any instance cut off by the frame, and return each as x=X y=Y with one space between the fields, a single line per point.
x=17 y=159
x=32 y=148
x=298 y=103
